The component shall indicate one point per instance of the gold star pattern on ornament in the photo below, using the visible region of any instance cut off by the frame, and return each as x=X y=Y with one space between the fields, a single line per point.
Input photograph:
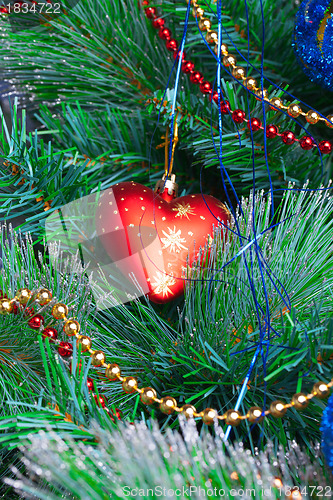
x=173 y=240
x=162 y=283
x=183 y=210
x=224 y=208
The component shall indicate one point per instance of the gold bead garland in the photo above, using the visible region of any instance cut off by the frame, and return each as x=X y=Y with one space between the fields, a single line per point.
x=71 y=327
x=239 y=72
x=43 y=297
x=59 y=311
x=85 y=343
x=6 y=306
x=148 y=396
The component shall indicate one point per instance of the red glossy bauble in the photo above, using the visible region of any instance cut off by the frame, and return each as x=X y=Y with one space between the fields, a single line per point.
x=255 y=124
x=272 y=131
x=65 y=349
x=206 y=87
x=187 y=66
x=176 y=55
x=150 y=12
x=100 y=400
x=288 y=137
x=50 y=332
x=325 y=147
x=113 y=415
x=196 y=77
x=225 y=105
x=158 y=23
x=132 y=220
x=90 y=384
x=36 y=322
x=164 y=33
x=172 y=45
x=306 y=143
x=238 y=115
x=225 y=108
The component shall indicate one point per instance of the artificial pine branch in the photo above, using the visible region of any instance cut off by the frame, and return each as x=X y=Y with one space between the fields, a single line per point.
x=37 y=177
x=104 y=61
x=22 y=372
x=61 y=406
x=124 y=137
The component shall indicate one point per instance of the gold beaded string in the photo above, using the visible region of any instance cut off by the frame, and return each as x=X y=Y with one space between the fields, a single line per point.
x=249 y=82
x=44 y=297
x=148 y=396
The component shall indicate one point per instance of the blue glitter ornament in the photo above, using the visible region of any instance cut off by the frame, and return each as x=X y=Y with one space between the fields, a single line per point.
x=327 y=430
x=313 y=40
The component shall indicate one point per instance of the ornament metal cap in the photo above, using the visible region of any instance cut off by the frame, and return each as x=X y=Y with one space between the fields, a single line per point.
x=169 y=185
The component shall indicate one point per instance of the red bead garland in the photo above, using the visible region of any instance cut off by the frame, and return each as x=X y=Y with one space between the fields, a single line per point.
x=187 y=66
x=27 y=311
x=254 y=124
x=272 y=131
x=51 y=333
x=225 y=105
x=164 y=33
x=158 y=23
x=238 y=115
x=90 y=384
x=172 y=45
x=325 y=147
x=150 y=12
x=206 y=87
x=288 y=137
x=196 y=77
x=225 y=108
x=100 y=400
x=176 y=55
x=36 y=322
x=65 y=349
x=306 y=143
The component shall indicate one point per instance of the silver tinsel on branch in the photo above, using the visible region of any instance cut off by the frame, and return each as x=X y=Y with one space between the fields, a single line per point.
x=141 y=461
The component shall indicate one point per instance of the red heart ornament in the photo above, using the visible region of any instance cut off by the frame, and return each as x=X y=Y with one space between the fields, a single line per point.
x=162 y=237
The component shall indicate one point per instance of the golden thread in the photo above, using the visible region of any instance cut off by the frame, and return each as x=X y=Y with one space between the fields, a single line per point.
x=323 y=26
x=167 y=168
